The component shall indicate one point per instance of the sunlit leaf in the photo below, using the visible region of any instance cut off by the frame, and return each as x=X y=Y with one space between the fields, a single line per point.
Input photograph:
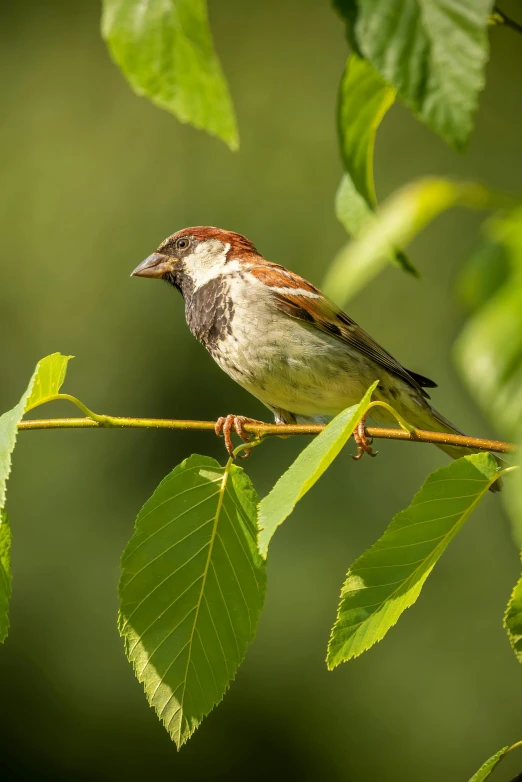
x=8 y=431
x=307 y=469
x=389 y=576
x=489 y=349
x=433 y=52
x=513 y=619
x=5 y=574
x=364 y=99
x=351 y=209
x=398 y=221
x=490 y=765
x=483 y=275
x=164 y=48
x=49 y=378
x=191 y=590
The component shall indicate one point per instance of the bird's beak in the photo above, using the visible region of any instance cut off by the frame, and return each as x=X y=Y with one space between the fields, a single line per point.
x=156 y=265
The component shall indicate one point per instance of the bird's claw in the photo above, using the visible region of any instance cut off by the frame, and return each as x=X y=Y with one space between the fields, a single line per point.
x=225 y=425
x=364 y=443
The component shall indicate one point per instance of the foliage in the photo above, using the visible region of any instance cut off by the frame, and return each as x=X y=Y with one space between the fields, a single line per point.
x=364 y=99
x=164 y=48
x=407 y=42
x=5 y=574
x=45 y=382
x=489 y=766
x=388 y=577
x=491 y=763
x=48 y=380
x=307 y=469
x=489 y=356
x=489 y=349
x=191 y=589
x=193 y=574
x=193 y=577
x=399 y=220
x=513 y=619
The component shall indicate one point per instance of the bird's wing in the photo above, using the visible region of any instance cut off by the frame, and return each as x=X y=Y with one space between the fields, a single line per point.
x=303 y=301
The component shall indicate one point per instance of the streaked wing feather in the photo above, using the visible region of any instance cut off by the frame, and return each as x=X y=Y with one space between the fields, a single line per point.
x=423 y=381
x=289 y=290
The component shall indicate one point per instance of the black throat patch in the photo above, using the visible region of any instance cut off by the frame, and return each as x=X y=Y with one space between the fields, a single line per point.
x=209 y=311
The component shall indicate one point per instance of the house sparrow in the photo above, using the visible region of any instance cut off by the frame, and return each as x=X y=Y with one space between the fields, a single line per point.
x=281 y=339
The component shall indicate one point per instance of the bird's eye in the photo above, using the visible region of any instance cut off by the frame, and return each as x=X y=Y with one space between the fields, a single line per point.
x=182 y=243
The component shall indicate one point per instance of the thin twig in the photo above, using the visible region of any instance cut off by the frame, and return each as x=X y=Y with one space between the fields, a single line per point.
x=418 y=435
x=503 y=19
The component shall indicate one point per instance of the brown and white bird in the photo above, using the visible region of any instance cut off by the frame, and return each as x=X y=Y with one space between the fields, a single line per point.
x=281 y=339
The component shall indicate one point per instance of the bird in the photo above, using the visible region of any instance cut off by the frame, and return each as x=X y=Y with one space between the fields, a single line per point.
x=280 y=338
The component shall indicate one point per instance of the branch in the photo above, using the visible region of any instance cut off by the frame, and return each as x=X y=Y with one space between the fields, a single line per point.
x=500 y=17
x=417 y=435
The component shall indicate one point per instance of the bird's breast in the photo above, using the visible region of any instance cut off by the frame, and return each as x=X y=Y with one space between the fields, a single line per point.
x=283 y=362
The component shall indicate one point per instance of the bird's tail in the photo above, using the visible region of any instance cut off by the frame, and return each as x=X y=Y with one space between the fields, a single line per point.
x=437 y=423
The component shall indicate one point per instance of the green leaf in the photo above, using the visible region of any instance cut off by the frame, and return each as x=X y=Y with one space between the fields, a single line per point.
x=489 y=349
x=8 y=431
x=434 y=53
x=483 y=275
x=191 y=590
x=5 y=575
x=311 y=463
x=364 y=99
x=48 y=375
x=49 y=379
x=513 y=619
x=492 y=762
x=352 y=211
x=165 y=50
x=389 y=576
x=398 y=221
x=488 y=352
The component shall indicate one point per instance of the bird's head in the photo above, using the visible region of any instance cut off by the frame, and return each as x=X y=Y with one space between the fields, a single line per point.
x=193 y=256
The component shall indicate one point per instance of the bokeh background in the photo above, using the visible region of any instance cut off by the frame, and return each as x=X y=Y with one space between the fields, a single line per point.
x=93 y=178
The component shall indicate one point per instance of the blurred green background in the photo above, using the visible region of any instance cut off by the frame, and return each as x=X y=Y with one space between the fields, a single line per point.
x=93 y=179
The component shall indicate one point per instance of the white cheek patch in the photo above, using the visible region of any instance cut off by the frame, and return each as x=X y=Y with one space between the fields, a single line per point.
x=206 y=261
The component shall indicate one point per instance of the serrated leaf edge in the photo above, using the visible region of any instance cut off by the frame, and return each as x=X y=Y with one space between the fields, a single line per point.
x=331 y=659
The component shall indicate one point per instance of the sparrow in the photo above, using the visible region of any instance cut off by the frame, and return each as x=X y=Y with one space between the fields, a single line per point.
x=281 y=339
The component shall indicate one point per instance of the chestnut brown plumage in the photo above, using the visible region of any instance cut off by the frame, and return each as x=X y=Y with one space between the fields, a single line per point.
x=281 y=339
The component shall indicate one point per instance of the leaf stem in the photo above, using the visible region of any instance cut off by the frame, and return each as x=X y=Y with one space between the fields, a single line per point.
x=400 y=420
x=514 y=746
x=378 y=432
x=101 y=420
x=247 y=447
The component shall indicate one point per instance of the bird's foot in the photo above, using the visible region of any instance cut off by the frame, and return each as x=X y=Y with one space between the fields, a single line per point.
x=225 y=425
x=364 y=443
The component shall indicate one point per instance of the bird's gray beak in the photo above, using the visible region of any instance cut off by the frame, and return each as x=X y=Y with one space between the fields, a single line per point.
x=156 y=265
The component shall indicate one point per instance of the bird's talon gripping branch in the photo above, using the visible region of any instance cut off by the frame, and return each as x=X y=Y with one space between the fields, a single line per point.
x=364 y=443
x=238 y=305
x=225 y=425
